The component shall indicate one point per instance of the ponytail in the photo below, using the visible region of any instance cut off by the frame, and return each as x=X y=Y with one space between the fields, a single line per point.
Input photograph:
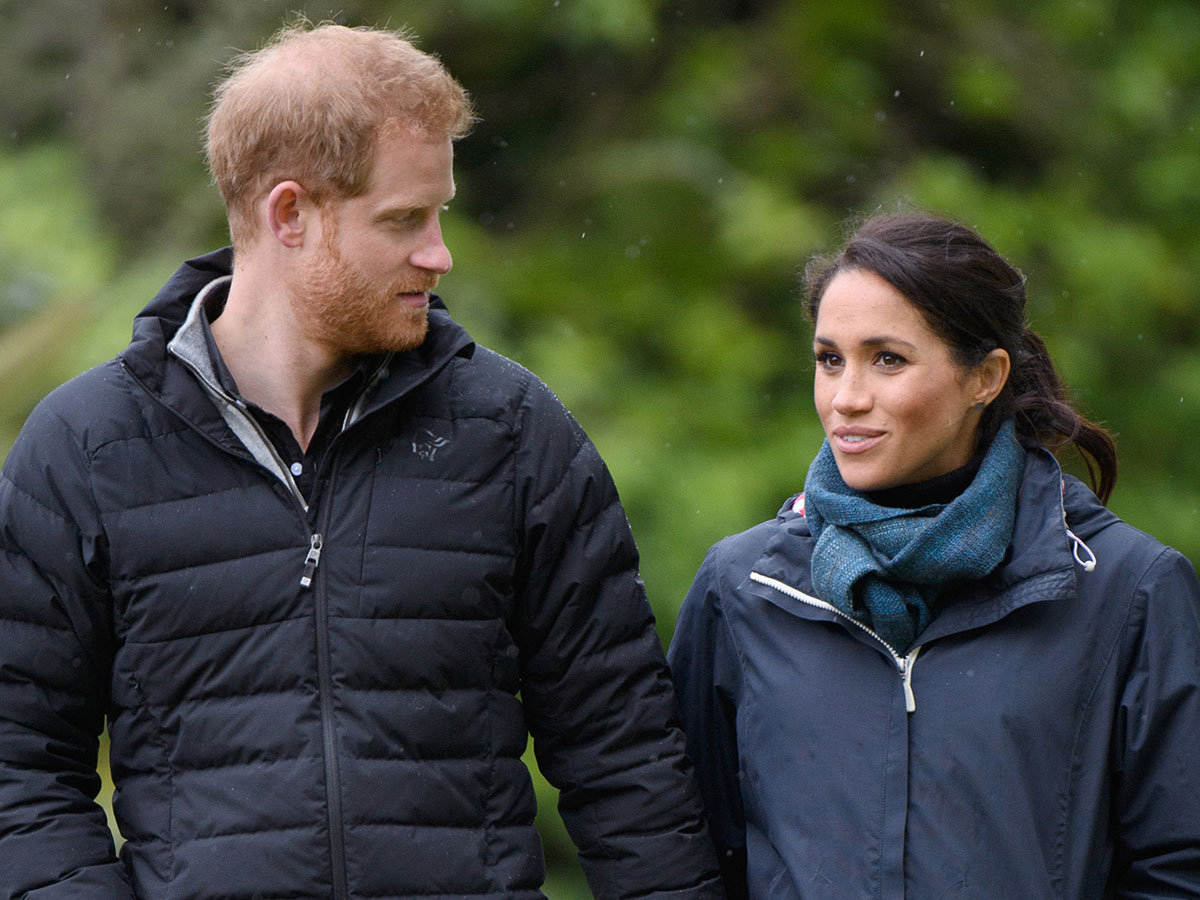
x=1036 y=399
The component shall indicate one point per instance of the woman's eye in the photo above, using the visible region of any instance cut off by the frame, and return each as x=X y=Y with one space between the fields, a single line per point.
x=891 y=360
x=827 y=360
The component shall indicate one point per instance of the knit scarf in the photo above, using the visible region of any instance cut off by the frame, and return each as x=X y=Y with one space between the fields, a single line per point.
x=885 y=567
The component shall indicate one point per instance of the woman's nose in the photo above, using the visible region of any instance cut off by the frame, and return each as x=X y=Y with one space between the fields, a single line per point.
x=852 y=395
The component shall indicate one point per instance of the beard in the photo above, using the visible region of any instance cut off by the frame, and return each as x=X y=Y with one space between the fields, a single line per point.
x=340 y=306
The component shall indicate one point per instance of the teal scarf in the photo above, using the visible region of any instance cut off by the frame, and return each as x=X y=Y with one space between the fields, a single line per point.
x=884 y=567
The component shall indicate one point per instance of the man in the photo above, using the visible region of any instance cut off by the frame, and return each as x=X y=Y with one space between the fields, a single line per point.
x=323 y=562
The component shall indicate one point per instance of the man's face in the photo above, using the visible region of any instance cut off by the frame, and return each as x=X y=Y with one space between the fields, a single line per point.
x=365 y=286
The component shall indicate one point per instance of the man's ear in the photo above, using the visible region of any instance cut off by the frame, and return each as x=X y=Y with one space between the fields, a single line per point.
x=289 y=210
x=993 y=375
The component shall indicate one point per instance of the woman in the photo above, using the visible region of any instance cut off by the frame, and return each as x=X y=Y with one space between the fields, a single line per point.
x=945 y=670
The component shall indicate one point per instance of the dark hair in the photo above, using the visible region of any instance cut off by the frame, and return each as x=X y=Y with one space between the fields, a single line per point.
x=975 y=301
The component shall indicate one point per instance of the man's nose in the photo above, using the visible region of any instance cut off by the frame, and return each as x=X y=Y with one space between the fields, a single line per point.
x=432 y=254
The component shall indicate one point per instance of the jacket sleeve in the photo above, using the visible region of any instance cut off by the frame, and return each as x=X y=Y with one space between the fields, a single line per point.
x=597 y=695
x=54 y=650
x=707 y=681
x=1157 y=740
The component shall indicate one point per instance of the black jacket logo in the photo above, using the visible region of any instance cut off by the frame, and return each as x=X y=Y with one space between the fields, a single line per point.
x=425 y=444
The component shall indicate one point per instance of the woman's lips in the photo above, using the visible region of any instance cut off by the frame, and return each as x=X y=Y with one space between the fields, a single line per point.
x=855 y=440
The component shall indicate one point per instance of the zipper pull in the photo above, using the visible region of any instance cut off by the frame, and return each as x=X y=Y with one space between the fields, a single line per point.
x=311 y=561
x=906 y=667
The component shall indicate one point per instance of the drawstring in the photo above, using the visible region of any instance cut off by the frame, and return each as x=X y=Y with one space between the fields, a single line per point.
x=1089 y=564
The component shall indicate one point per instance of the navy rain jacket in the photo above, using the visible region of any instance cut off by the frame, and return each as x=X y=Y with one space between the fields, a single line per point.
x=1041 y=741
x=326 y=700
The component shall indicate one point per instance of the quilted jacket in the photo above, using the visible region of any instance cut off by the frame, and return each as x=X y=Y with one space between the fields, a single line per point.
x=326 y=698
x=1041 y=741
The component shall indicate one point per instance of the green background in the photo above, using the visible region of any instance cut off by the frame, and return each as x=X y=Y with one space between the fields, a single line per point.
x=634 y=207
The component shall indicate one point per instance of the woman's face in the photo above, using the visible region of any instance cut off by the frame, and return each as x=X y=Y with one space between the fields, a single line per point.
x=896 y=407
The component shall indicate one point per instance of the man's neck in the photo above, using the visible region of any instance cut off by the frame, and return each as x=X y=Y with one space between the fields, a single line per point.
x=274 y=365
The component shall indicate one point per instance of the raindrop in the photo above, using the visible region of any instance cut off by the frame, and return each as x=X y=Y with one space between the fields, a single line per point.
x=896 y=93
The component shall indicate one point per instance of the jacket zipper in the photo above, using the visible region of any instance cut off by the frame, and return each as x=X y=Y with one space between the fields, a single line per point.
x=312 y=559
x=904 y=664
x=315 y=540
x=333 y=780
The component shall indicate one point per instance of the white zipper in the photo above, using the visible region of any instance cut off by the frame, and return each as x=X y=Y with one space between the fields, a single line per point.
x=904 y=664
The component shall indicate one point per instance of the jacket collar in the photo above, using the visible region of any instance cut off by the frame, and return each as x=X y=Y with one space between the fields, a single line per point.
x=165 y=376
x=1038 y=567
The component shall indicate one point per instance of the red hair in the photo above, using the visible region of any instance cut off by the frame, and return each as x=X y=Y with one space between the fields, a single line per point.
x=309 y=106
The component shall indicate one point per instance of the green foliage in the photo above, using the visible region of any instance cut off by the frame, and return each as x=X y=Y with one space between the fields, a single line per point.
x=647 y=178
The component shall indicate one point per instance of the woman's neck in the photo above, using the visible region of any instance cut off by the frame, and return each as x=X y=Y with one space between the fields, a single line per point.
x=940 y=489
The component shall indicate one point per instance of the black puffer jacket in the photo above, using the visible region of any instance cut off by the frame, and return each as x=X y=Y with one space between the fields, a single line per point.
x=328 y=701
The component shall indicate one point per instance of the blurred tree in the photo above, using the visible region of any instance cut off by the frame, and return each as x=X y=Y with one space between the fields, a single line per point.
x=646 y=179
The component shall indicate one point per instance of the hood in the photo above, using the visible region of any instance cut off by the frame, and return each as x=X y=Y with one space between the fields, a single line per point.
x=1086 y=515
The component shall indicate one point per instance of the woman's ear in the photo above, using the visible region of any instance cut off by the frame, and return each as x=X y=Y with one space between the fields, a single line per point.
x=992 y=374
